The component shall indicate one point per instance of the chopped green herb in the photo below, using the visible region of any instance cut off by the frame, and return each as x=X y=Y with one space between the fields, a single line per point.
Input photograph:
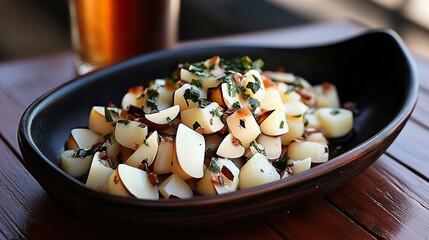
x=282 y=124
x=281 y=164
x=196 y=82
x=108 y=137
x=254 y=86
x=242 y=123
x=142 y=125
x=107 y=115
x=215 y=113
x=196 y=125
x=298 y=82
x=152 y=93
x=141 y=96
x=305 y=120
x=213 y=166
x=258 y=64
x=210 y=152
x=196 y=67
x=232 y=89
x=254 y=104
x=236 y=105
x=169 y=121
x=191 y=94
x=335 y=111
x=204 y=102
x=82 y=153
x=123 y=121
x=239 y=64
x=256 y=147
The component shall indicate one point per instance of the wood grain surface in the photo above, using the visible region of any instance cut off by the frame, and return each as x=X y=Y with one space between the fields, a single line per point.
x=389 y=200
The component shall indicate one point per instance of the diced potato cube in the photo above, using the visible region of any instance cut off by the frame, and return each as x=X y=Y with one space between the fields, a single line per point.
x=335 y=122
x=130 y=134
x=296 y=129
x=257 y=171
x=208 y=118
x=326 y=96
x=243 y=126
x=301 y=150
x=298 y=166
x=174 y=186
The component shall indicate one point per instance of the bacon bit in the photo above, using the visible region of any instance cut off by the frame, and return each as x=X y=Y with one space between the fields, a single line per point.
x=352 y=107
x=238 y=77
x=213 y=60
x=181 y=82
x=227 y=173
x=263 y=116
x=326 y=86
x=289 y=170
x=154 y=179
x=116 y=179
x=103 y=155
x=217 y=180
x=224 y=130
x=173 y=197
x=200 y=130
x=235 y=141
x=135 y=146
x=304 y=96
x=136 y=90
x=167 y=138
x=299 y=139
x=110 y=104
x=124 y=114
x=143 y=166
x=229 y=111
x=112 y=162
x=242 y=112
x=309 y=131
x=170 y=85
x=268 y=83
x=280 y=69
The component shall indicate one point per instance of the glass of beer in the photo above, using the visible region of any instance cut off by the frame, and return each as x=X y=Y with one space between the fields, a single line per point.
x=107 y=31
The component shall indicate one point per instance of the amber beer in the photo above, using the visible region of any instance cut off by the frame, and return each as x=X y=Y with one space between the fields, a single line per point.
x=107 y=31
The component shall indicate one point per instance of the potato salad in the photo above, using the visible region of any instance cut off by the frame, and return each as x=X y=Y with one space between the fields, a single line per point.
x=212 y=127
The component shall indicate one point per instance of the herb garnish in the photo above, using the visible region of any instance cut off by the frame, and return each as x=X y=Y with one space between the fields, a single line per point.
x=213 y=166
x=107 y=115
x=242 y=123
x=335 y=111
x=197 y=83
x=196 y=125
x=255 y=145
x=254 y=104
x=254 y=86
x=191 y=94
x=123 y=121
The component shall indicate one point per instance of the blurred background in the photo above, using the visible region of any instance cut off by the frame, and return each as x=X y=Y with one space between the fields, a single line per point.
x=37 y=27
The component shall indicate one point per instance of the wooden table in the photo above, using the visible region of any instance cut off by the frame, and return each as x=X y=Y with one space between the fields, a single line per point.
x=389 y=200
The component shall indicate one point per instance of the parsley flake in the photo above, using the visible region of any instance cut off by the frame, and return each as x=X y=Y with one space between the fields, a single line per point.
x=196 y=125
x=282 y=124
x=191 y=94
x=107 y=115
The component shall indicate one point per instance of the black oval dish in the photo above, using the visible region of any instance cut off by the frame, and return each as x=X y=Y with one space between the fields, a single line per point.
x=373 y=69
